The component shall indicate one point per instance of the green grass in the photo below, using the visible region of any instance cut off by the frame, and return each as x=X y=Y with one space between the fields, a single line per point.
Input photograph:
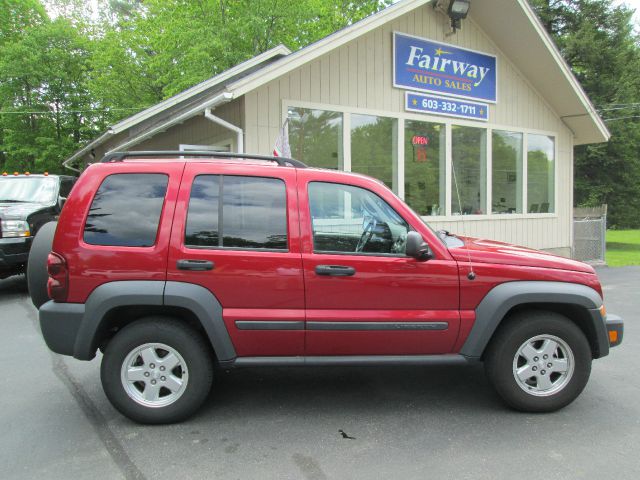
x=623 y=247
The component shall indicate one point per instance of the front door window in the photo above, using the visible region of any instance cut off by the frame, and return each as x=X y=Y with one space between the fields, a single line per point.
x=352 y=220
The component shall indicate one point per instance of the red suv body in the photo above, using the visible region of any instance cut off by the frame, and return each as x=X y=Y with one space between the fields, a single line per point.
x=269 y=263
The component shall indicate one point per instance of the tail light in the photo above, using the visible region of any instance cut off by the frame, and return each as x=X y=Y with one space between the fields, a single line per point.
x=58 y=283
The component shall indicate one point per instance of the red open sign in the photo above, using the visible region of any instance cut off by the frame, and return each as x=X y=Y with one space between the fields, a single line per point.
x=420 y=140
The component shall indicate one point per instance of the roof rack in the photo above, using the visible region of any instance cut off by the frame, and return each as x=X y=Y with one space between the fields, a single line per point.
x=281 y=161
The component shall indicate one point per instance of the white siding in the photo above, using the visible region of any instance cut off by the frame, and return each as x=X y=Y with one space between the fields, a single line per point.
x=358 y=76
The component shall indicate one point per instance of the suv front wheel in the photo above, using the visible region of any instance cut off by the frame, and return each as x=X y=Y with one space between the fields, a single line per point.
x=157 y=370
x=538 y=361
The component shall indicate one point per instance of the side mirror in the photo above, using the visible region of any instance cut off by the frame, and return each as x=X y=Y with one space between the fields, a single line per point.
x=61 y=202
x=417 y=247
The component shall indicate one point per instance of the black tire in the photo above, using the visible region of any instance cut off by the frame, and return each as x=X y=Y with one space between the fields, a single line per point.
x=158 y=330
x=37 y=274
x=501 y=363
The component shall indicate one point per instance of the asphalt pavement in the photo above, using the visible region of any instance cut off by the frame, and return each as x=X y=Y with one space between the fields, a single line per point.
x=439 y=422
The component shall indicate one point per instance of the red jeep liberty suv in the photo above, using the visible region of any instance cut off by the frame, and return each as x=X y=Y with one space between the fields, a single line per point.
x=171 y=265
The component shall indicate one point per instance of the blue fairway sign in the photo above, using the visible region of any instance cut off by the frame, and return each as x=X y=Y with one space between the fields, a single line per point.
x=417 y=102
x=427 y=66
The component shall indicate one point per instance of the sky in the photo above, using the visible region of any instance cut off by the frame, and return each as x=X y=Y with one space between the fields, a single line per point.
x=92 y=7
x=632 y=3
x=635 y=4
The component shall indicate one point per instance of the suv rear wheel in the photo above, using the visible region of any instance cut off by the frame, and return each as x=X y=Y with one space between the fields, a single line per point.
x=157 y=370
x=538 y=361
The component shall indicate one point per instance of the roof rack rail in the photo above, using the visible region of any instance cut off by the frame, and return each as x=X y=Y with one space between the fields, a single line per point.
x=120 y=156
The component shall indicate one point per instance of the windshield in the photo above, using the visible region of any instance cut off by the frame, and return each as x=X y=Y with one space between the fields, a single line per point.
x=28 y=189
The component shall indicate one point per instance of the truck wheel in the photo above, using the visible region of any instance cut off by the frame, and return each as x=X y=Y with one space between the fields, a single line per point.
x=157 y=370
x=538 y=361
x=37 y=275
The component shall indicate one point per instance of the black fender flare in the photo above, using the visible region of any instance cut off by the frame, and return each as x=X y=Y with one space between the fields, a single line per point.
x=501 y=299
x=206 y=307
x=195 y=298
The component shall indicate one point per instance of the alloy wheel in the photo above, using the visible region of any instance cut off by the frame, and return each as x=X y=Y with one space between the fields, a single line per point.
x=154 y=375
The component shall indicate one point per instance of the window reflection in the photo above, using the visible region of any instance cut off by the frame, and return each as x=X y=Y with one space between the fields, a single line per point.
x=424 y=167
x=469 y=171
x=315 y=137
x=254 y=213
x=374 y=147
x=540 y=173
x=126 y=210
x=354 y=220
x=506 y=172
x=28 y=189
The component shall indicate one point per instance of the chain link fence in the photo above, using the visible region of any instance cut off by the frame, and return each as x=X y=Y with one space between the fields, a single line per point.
x=589 y=234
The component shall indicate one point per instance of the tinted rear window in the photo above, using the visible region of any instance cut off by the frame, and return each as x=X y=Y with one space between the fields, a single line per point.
x=253 y=213
x=126 y=210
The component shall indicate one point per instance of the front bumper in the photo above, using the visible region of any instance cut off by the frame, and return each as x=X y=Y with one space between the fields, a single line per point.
x=615 y=329
x=14 y=251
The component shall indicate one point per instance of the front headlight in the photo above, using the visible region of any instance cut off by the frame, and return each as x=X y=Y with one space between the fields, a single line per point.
x=15 y=228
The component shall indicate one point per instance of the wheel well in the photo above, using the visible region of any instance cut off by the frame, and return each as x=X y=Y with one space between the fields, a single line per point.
x=119 y=317
x=576 y=313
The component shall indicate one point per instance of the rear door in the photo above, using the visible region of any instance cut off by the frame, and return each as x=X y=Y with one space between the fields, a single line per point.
x=364 y=296
x=236 y=233
x=127 y=210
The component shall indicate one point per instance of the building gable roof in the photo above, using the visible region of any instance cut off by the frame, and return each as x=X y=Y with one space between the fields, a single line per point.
x=184 y=101
x=513 y=27
x=212 y=85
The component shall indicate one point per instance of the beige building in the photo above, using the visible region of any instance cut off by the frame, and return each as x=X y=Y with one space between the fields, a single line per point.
x=507 y=176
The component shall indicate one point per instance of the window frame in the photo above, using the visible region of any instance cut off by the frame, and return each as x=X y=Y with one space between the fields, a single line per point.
x=449 y=122
x=221 y=207
x=358 y=254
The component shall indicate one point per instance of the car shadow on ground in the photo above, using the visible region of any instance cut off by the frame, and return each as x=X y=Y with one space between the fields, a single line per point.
x=355 y=391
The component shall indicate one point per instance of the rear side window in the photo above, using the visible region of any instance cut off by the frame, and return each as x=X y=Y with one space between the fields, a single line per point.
x=237 y=212
x=126 y=210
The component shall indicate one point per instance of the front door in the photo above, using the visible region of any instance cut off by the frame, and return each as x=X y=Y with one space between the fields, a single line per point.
x=364 y=296
x=236 y=233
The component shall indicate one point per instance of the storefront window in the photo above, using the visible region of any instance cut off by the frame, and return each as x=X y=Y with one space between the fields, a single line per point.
x=315 y=137
x=506 y=172
x=540 y=172
x=469 y=171
x=424 y=167
x=374 y=147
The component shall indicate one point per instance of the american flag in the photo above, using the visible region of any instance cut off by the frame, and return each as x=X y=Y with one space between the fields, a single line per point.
x=282 y=148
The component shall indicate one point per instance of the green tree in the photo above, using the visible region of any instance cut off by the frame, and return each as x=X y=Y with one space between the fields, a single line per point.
x=165 y=46
x=599 y=43
x=16 y=17
x=46 y=103
x=63 y=81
